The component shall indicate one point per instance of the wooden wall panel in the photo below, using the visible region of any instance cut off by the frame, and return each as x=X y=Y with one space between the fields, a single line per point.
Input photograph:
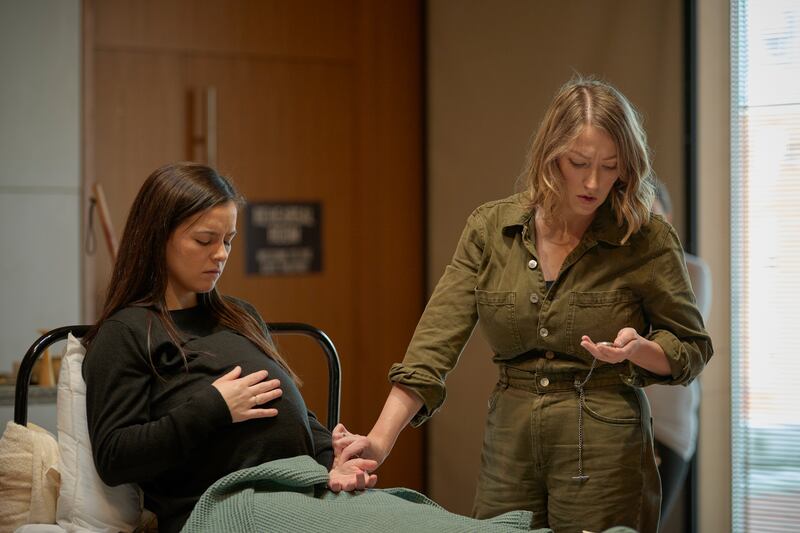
x=139 y=123
x=315 y=29
x=390 y=225
x=286 y=134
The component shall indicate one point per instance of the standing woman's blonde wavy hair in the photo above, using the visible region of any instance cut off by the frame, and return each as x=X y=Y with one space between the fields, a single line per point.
x=578 y=103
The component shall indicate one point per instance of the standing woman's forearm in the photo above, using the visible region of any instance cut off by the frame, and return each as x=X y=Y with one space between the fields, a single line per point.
x=651 y=356
x=400 y=407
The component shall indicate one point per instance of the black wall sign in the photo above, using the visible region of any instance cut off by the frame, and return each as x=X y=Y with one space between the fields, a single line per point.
x=284 y=238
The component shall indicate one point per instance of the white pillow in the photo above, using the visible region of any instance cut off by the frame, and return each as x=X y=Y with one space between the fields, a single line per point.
x=85 y=502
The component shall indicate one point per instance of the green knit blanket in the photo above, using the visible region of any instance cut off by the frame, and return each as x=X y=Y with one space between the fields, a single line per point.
x=281 y=496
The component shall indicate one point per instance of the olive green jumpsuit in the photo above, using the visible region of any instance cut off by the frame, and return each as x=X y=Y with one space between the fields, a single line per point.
x=566 y=439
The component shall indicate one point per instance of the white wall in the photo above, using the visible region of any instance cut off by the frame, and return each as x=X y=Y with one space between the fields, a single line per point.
x=39 y=174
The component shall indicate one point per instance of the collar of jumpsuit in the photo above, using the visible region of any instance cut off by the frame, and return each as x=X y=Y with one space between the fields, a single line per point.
x=603 y=228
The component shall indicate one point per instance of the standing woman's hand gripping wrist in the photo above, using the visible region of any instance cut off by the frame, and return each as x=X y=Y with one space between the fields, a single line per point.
x=244 y=394
x=348 y=446
x=400 y=407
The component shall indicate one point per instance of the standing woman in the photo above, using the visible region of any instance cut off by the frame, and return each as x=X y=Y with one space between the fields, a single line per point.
x=183 y=385
x=584 y=298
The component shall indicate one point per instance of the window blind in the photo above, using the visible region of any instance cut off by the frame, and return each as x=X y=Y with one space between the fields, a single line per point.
x=765 y=264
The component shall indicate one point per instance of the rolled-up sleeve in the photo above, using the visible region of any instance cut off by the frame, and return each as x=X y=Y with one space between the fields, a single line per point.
x=676 y=323
x=445 y=325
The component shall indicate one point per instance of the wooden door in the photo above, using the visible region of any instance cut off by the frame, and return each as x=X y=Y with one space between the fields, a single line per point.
x=316 y=101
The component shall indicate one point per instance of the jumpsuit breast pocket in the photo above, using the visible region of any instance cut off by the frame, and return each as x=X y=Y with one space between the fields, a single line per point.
x=601 y=315
x=497 y=314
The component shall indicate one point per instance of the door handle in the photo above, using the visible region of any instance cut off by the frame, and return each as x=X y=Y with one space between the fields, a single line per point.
x=203 y=126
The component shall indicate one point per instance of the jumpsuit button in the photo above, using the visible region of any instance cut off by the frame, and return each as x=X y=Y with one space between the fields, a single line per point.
x=534 y=299
x=549 y=354
x=544 y=382
x=543 y=332
x=532 y=264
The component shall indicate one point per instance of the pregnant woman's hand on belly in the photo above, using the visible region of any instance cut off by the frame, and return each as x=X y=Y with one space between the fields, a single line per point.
x=244 y=394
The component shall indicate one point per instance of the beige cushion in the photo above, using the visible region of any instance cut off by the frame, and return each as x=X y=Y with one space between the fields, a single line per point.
x=29 y=477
